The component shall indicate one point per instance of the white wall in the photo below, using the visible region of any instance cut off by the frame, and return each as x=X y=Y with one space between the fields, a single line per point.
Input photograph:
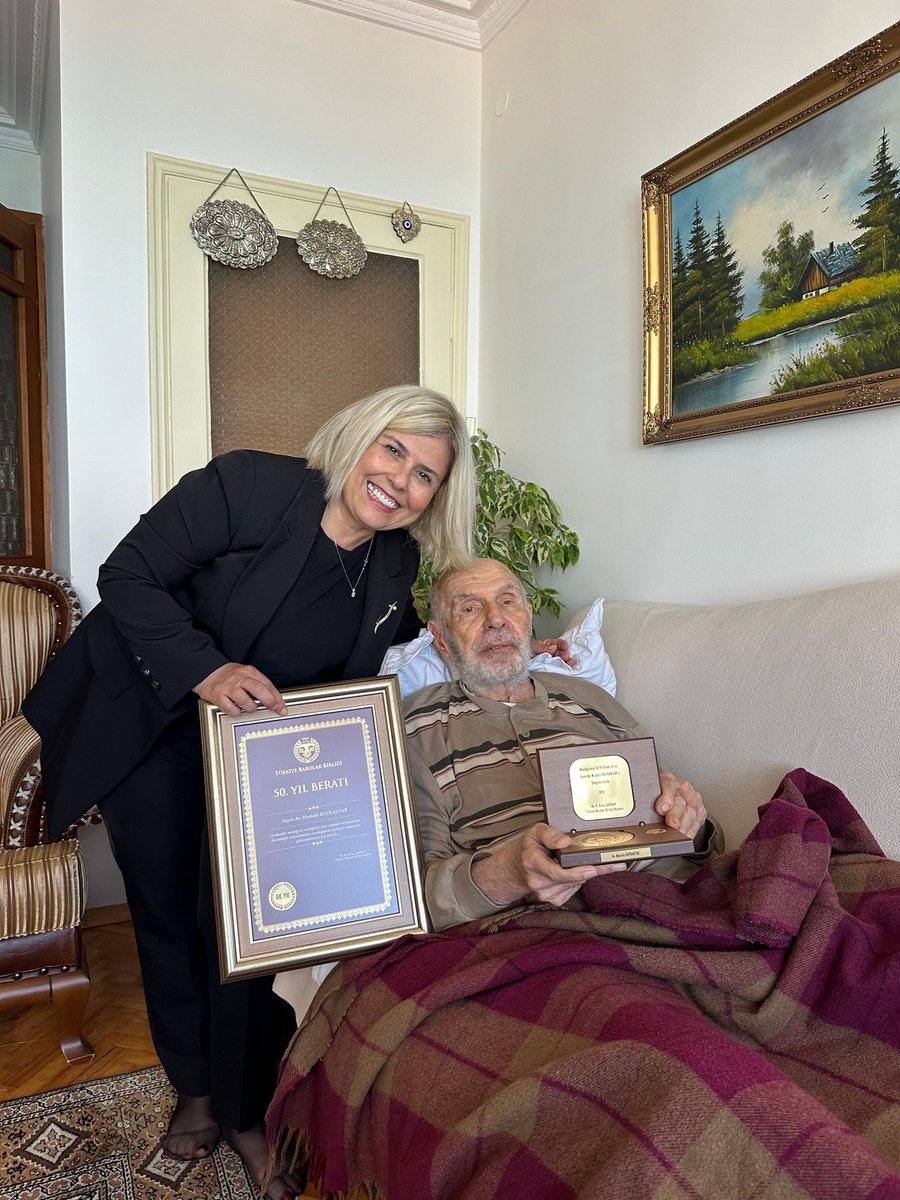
x=274 y=87
x=20 y=180
x=51 y=190
x=600 y=93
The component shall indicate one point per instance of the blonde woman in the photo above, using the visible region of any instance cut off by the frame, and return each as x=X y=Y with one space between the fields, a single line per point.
x=256 y=573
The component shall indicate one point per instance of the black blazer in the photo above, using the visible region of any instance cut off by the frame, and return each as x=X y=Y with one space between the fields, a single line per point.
x=188 y=589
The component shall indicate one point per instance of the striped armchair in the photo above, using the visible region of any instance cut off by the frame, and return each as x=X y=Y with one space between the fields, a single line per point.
x=42 y=884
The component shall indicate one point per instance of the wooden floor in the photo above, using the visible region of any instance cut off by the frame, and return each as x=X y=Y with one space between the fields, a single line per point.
x=115 y=1022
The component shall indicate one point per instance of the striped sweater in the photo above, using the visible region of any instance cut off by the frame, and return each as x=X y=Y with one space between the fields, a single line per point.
x=474 y=764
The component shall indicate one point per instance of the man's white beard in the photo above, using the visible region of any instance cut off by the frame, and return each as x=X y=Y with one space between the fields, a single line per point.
x=481 y=675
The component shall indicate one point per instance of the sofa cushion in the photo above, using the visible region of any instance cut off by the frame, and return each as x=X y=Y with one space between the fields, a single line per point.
x=738 y=695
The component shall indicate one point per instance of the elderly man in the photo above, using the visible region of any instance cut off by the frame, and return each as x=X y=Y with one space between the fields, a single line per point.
x=473 y=746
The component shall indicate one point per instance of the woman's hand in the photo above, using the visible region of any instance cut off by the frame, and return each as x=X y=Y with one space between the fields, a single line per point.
x=236 y=688
x=558 y=647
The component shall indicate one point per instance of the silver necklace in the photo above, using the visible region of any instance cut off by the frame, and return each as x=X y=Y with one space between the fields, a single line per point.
x=352 y=586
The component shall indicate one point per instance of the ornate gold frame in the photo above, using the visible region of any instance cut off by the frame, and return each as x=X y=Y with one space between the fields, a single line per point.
x=865 y=65
x=253 y=830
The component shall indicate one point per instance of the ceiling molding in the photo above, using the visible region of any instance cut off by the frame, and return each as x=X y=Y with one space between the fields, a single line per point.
x=469 y=23
x=23 y=46
x=23 y=58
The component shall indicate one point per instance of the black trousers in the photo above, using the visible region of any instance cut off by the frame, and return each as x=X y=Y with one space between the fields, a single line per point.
x=222 y=1040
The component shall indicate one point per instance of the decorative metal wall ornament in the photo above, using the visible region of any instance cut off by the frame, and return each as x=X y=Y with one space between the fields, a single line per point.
x=406 y=223
x=233 y=233
x=330 y=247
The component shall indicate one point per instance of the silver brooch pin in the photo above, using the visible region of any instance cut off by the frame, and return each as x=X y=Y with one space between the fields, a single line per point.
x=392 y=607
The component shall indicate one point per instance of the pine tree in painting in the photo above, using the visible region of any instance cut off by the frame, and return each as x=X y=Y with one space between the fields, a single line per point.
x=707 y=291
x=726 y=293
x=695 y=317
x=679 y=290
x=878 y=246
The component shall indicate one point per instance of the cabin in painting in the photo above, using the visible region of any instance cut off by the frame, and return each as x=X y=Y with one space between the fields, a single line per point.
x=827 y=269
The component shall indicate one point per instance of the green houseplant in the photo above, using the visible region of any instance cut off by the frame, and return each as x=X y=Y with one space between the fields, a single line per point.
x=515 y=522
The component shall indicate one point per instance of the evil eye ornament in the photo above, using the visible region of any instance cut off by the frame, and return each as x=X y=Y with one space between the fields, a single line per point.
x=406 y=223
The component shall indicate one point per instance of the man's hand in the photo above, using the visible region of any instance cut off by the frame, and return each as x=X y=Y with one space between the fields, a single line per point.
x=236 y=687
x=527 y=868
x=558 y=647
x=680 y=804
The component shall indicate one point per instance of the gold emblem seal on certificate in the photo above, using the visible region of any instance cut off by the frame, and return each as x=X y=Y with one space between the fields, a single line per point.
x=602 y=839
x=306 y=750
x=282 y=896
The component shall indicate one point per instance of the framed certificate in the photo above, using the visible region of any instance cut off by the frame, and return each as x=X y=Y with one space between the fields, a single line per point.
x=312 y=828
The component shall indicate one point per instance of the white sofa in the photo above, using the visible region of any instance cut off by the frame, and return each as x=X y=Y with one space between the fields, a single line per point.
x=738 y=695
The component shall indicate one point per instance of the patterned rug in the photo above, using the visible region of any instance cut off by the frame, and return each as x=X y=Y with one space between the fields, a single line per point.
x=102 y=1141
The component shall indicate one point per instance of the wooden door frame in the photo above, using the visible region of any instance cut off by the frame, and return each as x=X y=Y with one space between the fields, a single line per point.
x=25 y=231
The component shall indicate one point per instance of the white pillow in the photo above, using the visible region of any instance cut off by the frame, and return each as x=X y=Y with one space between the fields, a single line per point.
x=417 y=664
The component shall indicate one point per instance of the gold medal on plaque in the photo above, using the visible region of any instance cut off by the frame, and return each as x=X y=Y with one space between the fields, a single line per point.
x=601 y=839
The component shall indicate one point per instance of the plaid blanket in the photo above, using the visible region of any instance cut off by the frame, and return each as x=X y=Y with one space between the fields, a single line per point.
x=735 y=1036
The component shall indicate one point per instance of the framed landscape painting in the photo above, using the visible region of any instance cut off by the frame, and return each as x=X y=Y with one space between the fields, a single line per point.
x=772 y=258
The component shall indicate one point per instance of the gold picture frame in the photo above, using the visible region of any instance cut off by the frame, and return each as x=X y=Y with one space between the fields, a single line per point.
x=725 y=233
x=312 y=828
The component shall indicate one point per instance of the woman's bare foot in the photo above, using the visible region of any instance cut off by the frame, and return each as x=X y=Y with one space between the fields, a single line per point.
x=253 y=1149
x=193 y=1130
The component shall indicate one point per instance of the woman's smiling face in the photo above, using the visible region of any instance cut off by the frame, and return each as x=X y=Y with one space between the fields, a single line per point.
x=391 y=485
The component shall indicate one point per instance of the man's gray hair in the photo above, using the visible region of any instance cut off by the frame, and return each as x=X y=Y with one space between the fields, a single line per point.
x=437 y=599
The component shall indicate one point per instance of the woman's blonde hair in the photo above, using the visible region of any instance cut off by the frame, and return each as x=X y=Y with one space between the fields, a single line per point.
x=444 y=530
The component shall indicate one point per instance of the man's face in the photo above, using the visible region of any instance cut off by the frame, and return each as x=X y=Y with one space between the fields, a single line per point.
x=487 y=636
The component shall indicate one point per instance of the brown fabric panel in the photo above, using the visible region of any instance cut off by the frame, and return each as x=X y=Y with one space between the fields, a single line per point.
x=42 y=888
x=27 y=629
x=288 y=347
